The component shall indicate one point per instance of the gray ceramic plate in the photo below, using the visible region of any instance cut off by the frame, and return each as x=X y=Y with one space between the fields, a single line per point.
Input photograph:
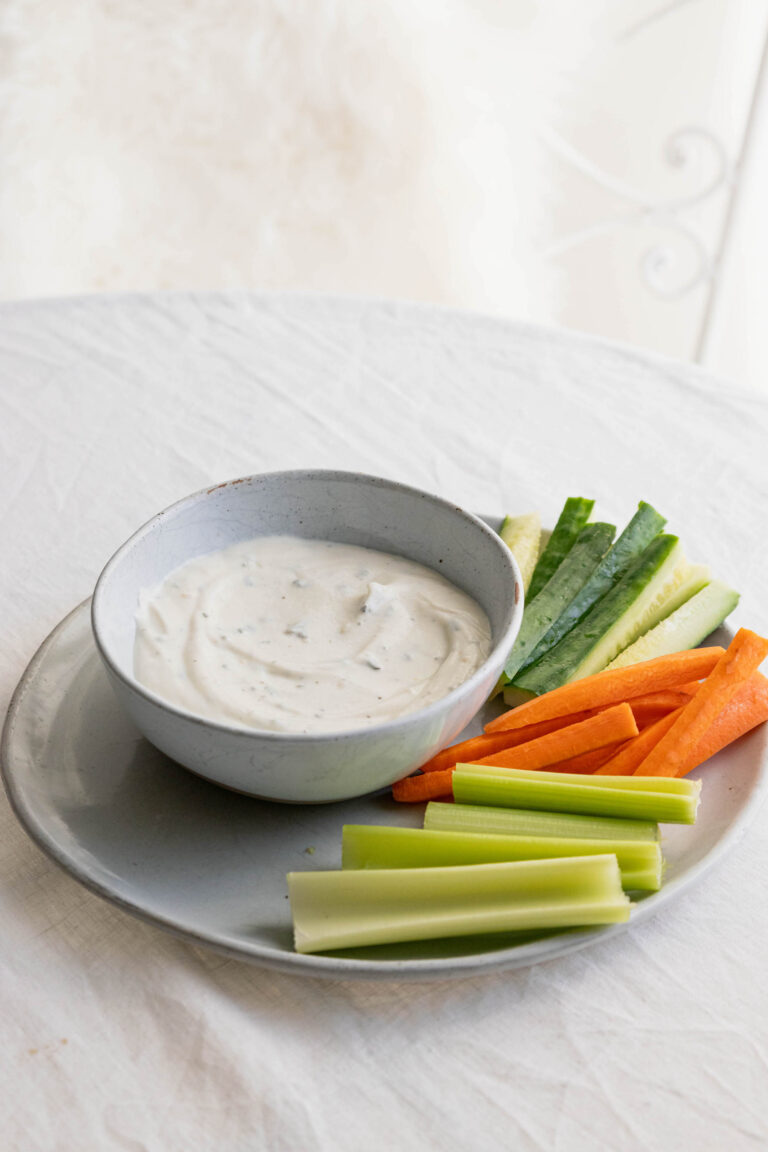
x=210 y=865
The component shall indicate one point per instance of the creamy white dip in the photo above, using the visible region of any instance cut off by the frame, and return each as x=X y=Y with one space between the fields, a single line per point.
x=294 y=635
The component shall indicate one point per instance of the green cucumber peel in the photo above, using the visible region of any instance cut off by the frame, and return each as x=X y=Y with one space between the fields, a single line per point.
x=684 y=628
x=564 y=661
x=569 y=578
x=576 y=511
x=673 y=586
x=644 y=526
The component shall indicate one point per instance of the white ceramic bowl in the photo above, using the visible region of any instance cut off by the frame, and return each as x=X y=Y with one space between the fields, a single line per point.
x=343 y=506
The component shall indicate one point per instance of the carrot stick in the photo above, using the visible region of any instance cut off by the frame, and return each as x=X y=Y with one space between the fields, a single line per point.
x=469 y=751
x=575 y=746
x=665 y=700
x=646 y=714
x=587 y=762
x=646 y=710
x=747 y=709
x=652 y=706
x=741 y=659
x=432 y=786
x=624 y=761
x=611 y=686
x=608 y=727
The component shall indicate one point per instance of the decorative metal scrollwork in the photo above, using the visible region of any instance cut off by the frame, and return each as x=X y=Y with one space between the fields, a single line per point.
x=674 y=268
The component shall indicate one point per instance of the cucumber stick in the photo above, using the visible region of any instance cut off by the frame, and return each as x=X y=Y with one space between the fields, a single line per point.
x=642 y=528
x=684 y=628
x=570 y=577
x=522 y=535
x=658 y=582
x=667 y=594
x=513 y=696
x=571 y=520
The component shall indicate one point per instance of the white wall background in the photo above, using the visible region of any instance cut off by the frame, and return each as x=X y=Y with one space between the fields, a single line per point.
x=570 y=163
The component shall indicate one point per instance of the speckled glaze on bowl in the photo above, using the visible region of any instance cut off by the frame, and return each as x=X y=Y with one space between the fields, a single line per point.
x=347 y=507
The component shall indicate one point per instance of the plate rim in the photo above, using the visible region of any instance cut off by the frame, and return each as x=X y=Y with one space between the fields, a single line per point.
x=336 y=967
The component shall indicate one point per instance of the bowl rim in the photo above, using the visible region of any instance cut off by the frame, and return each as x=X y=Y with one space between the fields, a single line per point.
x=505 y=642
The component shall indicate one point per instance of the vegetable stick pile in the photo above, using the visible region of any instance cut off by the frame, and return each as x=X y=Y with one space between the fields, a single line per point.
x=524 y=848
x=662 y=717
x=554 y=811
x=558 y=851
x=595 y=602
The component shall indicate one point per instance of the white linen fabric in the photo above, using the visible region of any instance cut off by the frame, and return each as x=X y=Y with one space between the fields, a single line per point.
x=118 y=1036
x=568 y=163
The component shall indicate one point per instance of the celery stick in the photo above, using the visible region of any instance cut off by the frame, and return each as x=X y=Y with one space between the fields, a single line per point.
x=377 y=846
x=563 y=796
x=672 y=785
x=522 y=822
x=349 y=909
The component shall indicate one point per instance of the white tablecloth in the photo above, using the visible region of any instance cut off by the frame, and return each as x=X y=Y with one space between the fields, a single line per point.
x=115 y=1035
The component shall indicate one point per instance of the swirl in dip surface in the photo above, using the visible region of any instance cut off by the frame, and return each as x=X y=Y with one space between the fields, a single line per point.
x=295 y=635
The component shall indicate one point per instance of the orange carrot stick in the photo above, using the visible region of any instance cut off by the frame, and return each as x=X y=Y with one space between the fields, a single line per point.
x=646 y=714
x=608 y=727
x=587 y=762
x=742 y=658
x=747 y=709
x=469 y=751
x=432 y=786
x=578 y=746
x=611 y=686
x=690 y=689
x=665 y=700
x=478 y=747
x=652 y=706
x=627 y=758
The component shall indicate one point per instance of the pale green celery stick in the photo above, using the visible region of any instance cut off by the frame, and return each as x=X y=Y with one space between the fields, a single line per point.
x=377 y=846
x=563 y=796
x=674 y=785
x=350 y=909
x=523 y=822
